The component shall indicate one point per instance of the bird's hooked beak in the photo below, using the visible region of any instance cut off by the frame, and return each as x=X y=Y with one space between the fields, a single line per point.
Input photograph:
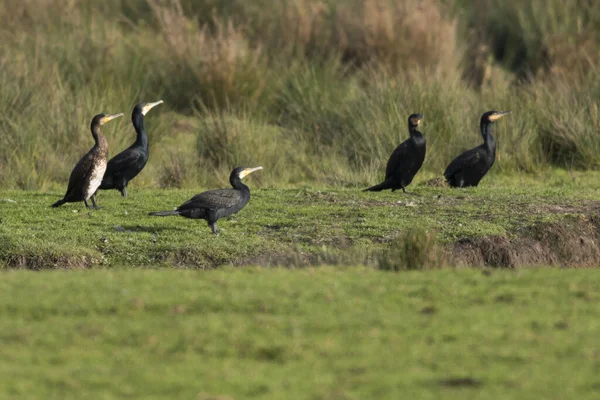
x=150 y=106
x=498 y=115
x=110 y=117
x=248 y=171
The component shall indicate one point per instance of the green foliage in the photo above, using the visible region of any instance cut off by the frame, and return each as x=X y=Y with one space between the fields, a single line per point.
x=538 y=37
x=318 y=91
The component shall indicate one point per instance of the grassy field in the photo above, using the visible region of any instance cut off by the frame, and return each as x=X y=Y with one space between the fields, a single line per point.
x=325 y=333
x=295 y=227
x=318 y=93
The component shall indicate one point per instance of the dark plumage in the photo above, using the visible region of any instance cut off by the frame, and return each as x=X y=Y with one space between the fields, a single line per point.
x=215 y=204
x=88 y=172
x=126 y=165
x=405 y=161
x=468 y=168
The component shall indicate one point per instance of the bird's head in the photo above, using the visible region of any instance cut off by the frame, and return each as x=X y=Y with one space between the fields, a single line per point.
x=414 y=120
x=143 y=108
x=492 y=116
x=242 y=172
x=102 y=119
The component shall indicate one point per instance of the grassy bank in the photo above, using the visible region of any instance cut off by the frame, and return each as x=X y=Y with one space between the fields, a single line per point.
x=328 y=333
x=316 y=91
x=295 y=227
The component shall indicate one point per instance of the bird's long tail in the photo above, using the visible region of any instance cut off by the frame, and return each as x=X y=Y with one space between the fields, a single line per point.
x=164 y=213
x=59 y=203
x=377 y=188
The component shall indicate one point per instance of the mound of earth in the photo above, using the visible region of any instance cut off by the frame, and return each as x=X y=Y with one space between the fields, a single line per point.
x=572 y=242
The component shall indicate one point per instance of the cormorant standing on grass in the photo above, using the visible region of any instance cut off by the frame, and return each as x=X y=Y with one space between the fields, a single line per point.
x=405 y=161
x=215 y=204
x=126 y=165
x=88 y=172
x=468 y=168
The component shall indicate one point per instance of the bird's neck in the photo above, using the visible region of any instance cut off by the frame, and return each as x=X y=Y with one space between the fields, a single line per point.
x=414 y=133
x=99 y=138
x=236 y=183
x=142 y=137
x=488 y=139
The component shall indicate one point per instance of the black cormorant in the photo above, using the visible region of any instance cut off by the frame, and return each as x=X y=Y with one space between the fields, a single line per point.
x=127 y=164
x=472 y=165
x=214 y=204
x=88 y=172
x=405 y=161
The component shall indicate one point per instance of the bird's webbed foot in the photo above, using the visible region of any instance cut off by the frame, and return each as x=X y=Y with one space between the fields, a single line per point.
x=94 y=205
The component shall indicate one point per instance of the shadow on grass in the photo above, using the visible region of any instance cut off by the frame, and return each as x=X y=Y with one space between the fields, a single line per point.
x=139 y=228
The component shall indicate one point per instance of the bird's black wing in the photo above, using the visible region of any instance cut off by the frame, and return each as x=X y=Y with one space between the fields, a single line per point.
x=396 y=159
x=122 y=161
x=468 y=159
x=80 y=173
x=213 y=199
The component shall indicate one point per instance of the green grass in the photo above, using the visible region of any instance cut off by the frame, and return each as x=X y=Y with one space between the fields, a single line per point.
x=327 y=333
x=278 y=226
x=317 y=92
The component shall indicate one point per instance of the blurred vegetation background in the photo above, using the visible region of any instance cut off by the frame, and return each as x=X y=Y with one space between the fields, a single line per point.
x=316 y=91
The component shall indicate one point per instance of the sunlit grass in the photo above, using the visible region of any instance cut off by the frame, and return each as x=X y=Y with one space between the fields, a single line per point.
x=317 y=92
x=295 y=227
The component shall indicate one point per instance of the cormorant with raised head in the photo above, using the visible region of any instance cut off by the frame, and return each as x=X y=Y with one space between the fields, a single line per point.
x=468 y=168
x=88 y=172
x=127 y=164
x=214 y=204
x=405 y=161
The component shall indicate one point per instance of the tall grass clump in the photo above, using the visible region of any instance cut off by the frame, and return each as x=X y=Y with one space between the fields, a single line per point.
x=211 y=64
x=537 y=37
x=229 y=139
x=397 y=34
x=415 y=249
x=322 y=88
x=569 y=122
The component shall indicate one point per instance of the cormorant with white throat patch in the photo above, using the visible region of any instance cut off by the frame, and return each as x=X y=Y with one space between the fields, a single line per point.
x=471 y=166
x=88 y=172
x=214 y=204
x=126 y=165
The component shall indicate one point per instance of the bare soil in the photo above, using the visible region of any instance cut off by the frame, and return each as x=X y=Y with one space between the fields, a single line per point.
x=572 y=242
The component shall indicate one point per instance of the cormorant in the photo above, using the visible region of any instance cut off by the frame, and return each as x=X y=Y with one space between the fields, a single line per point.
x=214 y=204
x=88 y=172
x=405 y=161
x=468 y=168
x=126 y=165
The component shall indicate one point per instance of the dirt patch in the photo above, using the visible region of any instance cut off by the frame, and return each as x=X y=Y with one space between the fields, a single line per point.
x=39 y=262
x=571 y=242
x=437 y=182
